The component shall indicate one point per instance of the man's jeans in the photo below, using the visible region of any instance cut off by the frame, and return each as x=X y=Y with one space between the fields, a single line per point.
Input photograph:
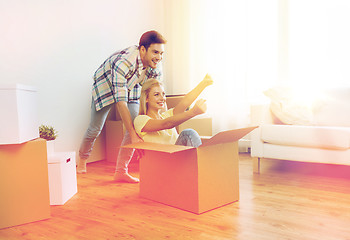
x=98 y=119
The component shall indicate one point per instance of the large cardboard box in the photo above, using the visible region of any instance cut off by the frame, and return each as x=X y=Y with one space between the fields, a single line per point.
x=203 y=126
x=193 y=179
x=114 y=137
x=62 y=177
x=24 y=185
x=19 y=114
x=173 y=100
x=98 y=152
x=115 y=133
x=115 y=129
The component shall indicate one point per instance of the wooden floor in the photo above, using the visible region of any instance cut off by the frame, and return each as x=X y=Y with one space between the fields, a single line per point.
x=288 y=200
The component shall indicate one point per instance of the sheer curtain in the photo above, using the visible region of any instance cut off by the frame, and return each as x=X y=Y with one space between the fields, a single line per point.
x=251 y=45
x=235 y=41
x=319 y=47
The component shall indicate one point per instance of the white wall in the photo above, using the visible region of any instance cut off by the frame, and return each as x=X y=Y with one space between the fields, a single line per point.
x=177 y=59
x=57 y=45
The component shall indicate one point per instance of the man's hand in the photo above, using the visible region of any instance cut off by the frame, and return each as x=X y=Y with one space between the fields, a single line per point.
x=135 y=138
x=199 y=107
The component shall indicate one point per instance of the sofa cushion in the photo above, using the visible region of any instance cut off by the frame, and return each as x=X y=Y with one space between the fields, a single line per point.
x=287 y=108
x=307 y=136
x=294 y=106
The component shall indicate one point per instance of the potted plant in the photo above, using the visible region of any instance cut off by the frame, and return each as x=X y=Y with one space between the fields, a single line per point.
x=50 y=134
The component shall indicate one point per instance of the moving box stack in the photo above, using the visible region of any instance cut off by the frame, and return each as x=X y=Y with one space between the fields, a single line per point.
x=24 y=186
x=30 y=179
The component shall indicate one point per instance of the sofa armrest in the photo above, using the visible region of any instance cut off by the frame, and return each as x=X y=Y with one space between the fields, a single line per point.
x=256 y=144
x=260 y=114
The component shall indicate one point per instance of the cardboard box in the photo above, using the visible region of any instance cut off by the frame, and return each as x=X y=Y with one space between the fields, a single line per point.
x=98 y=152
x=62 y=177
x=19 y=114
x=203 y=126
x=24 y=184
x=115 y=133
x=115 y=129
x=114 y=137
x=193 y=179
x=173 y=100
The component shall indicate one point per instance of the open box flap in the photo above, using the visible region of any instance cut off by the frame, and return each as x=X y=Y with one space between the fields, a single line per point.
x=169 y=148
x=228 y=136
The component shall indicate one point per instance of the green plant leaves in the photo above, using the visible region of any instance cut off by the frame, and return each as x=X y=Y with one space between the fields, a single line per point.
x=47 y=132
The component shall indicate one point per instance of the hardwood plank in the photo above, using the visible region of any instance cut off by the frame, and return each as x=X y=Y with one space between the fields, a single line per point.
x=287 y=200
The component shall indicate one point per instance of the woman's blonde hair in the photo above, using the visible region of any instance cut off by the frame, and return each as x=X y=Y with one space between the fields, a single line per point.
x=146 y=88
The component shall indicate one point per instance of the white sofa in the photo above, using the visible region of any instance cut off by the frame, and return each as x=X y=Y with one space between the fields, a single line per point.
x=320 y=134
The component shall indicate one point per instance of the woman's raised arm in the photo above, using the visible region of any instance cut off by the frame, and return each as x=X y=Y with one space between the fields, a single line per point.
x=190 y=97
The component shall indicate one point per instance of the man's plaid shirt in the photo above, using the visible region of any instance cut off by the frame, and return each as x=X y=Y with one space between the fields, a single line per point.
x=118 y=78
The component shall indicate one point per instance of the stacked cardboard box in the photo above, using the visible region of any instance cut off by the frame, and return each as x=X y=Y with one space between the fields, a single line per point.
x=24 y=187
x=115 y=129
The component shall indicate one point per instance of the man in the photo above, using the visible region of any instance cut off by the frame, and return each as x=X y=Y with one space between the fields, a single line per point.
x=118 y=81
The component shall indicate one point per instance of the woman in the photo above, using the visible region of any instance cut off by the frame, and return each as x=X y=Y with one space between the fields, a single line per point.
x=154 y=124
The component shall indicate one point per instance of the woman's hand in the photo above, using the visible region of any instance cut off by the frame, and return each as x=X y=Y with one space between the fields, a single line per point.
x=207 y=81
x=199 y=107
x=189 y=98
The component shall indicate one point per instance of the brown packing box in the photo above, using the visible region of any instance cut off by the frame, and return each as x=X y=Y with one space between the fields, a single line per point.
x=173 y=100
x=24 y=184
x=114 y=137
x=203 y=126
x=115 y=133
x=193 y=179
x=114 y=130
x=98 y=152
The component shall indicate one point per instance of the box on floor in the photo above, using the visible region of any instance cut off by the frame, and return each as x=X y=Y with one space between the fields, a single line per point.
x=62 y=177
x=115 y=129
x=193 y=179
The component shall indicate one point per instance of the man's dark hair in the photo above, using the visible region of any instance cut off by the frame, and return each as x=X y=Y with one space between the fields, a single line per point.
x=151 y=37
